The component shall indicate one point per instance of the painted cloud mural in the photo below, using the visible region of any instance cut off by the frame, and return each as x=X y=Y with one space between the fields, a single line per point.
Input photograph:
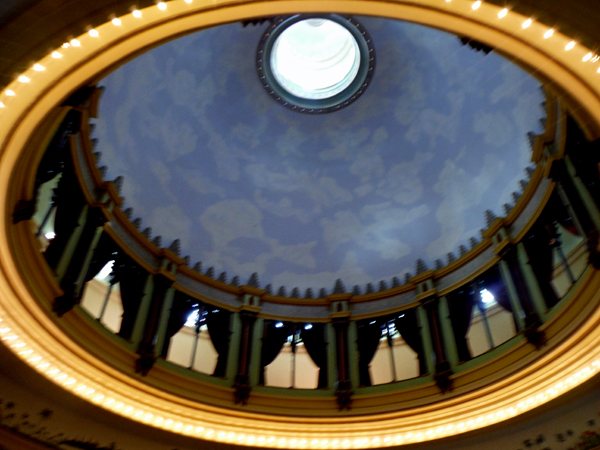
x=405 y=172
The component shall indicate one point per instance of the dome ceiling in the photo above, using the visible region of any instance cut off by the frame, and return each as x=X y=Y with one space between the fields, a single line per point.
x=247 y=185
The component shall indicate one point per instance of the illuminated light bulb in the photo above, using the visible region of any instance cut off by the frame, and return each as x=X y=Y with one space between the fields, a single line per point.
x=325 y=442
x=261 y=439
x=281 y=441
x=375 y=441
x=70 y=382
x=75 y=43
x=10 y=94
x=38 y=68
x=387 y=439
x=81 y=388
x=460 y=425
x=162 y=6
x=598 y=69
x=128 y=409
x=37 y=358
x=448 y=1
x=271 y=439
x=137 y=13
x=585 y=370
x=29 y=352
x=188 y=428
x=189 y=1
x=168 y=422
x=109 y=401
x=61 y=377
x=230 y=436
x=4 y=330
x=503 y=13
x=199 y=430
x=209 y=432
x=93 y=33
x=293 y=442
x=476 y=5
x=409 y=435
x=548 y=33
x=357 y=442
x=221 y=434
x=137 y=414
x=100 y=397
x=119 y=405
x=24 y=79
x=429 y=433
x=570 y=45
x=66 y=45
x=587 y=57
x=398 y=438
x=527 y=23
x=22 y=344
x=314 y=442
x=116 y=22
x=56 y=55
x=42 y=366
x=470 y=422
x=1 y=105
x=303 y=442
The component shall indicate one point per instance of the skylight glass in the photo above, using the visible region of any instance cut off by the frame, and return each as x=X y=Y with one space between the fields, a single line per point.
x=315 y=59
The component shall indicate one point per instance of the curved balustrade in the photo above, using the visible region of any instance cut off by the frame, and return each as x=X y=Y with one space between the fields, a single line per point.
x=499 y=295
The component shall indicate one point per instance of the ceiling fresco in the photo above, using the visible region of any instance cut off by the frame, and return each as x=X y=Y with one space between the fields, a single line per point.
x=247 y=185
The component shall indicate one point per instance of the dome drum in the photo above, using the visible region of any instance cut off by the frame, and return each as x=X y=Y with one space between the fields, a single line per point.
x=159 y=292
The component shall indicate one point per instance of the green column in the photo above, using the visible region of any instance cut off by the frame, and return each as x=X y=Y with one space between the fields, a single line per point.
x=165 y=315
x=426 y=339
x=513 y=297
x=353 y=354
x=233 y=354
x=447 y=332
x=142 y=315
x=531 y=281
x=331 y=355
x=69 y=250
x=256 y=351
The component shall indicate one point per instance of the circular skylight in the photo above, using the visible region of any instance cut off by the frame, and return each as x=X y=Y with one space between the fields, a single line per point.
x=315 y=58
x=315 y=64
